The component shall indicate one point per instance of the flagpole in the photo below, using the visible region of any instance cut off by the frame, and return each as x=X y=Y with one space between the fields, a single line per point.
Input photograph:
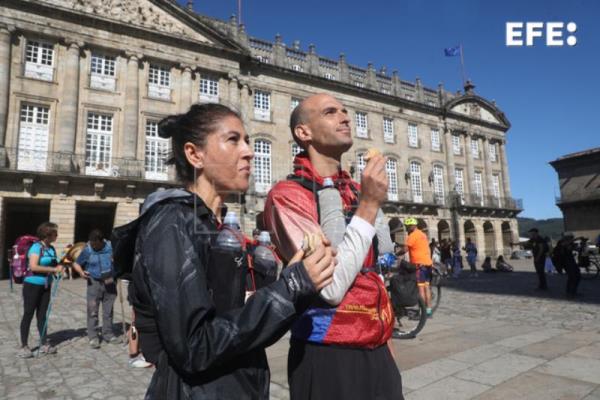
x=462 y=65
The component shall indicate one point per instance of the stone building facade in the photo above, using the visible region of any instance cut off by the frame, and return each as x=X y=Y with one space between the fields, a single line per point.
x=83 y=85
x=579 y=200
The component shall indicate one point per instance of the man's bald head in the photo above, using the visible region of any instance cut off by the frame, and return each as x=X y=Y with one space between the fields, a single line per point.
x=303 y=112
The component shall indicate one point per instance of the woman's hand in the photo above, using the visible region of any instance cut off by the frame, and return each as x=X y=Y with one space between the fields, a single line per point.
x=58 y=269
x=319 y=264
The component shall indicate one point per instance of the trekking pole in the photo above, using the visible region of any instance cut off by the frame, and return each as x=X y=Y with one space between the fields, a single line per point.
x=53 y=293
x=120 y=289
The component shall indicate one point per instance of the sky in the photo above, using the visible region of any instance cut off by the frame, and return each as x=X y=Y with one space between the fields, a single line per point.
x=550 y=94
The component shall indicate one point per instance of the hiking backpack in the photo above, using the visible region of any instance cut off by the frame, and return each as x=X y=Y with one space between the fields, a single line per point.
x=19 y=264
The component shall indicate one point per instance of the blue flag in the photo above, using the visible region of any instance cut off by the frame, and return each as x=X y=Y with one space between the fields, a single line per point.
x=452 y=51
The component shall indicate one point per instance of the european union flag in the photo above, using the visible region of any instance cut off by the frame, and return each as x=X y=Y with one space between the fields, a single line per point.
x=452 y=51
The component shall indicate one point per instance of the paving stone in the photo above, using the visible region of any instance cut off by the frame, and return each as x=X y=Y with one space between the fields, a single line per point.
x=580 y=368
x=480 y=354
x=426 y=374
x=499 y=369
x=450 y=388
x=536 y=386
x=590 y=351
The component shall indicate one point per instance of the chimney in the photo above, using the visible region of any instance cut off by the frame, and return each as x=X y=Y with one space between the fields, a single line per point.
x=190 y=5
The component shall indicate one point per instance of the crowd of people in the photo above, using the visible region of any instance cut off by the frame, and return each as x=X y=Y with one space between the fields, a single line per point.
x=201 y=319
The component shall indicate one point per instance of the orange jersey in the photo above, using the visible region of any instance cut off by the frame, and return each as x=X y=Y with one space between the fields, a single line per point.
x=418 y=248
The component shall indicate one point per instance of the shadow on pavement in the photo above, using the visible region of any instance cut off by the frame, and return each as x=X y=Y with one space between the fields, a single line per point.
x=63 y=336
x=522 y=283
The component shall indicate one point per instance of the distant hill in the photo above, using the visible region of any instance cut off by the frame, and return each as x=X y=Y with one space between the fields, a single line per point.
x=552 y=227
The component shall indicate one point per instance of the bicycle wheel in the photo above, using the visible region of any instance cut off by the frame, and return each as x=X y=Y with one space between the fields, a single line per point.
x=436 y=296
x=591 y=271
x=410 y=320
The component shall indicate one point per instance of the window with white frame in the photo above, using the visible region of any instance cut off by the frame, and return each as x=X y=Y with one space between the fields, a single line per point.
x=496 y=186
x=296 y=150
x=34 y=127
x=102 y=72
x=416 y=183
x=262 y=165
x=435 y=140
x=330 y=76
x=456 y=145
x=413 y=135
x=391 y=167
x=294 y=103
x=361 y=163
x=297 y=68
x=262 y=105
x=459 y=183
x=475 y=148
x=362 y=127
x=493 y=152
x=159 y=82
x=478 y=186
x=408 y=96
x=438 y=184
x=156 y=152
x=388 y=130
x=209 y=89
x=98 y=145
x=39 y=60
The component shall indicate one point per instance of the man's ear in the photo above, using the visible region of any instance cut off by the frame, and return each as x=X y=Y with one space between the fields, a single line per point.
x=303 y=133
x=194 y=155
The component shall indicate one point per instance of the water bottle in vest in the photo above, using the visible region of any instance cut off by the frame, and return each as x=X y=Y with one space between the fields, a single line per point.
x=265 y=263
x=331 y=213
x=229 y=237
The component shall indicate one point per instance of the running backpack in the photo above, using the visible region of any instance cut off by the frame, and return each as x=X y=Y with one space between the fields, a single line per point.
x=19 y=264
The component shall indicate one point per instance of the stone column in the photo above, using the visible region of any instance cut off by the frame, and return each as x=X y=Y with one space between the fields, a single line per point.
x=504 y=165
x=487 y=166
x=498 y=238
x=62 y=213
x=126 y=212
x=3 y=260
x=246 y=103
x=5 y=58
x=129 y=133
x=396 y=84
x=470 y=173
x=234 y=93
x=279 y=57
x=67 y=124
x=449 y=160
x=185 y=88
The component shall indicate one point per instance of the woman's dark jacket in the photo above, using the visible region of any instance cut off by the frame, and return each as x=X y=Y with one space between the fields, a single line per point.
x=205 y=354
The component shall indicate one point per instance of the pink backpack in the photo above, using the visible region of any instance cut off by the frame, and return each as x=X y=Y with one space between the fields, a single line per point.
x=19 y=264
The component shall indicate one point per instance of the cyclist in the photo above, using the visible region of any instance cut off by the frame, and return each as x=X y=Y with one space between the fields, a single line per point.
x=419 y=253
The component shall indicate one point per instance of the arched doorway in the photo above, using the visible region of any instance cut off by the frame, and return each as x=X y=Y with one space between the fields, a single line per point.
x=506 y=238
x=443 y=230
x=470 y=232
x=396 y=230
x=489 y=239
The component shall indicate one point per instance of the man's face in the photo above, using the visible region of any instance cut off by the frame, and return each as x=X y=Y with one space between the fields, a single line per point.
x=411 y=228
x=328 y=125
x=533 y=235
x=97 y=244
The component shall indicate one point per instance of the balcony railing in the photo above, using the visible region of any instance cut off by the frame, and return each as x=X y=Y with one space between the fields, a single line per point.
x=72 y=164
x=508 y=203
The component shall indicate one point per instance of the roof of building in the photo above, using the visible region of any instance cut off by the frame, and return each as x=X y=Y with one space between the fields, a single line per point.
x=576 y=155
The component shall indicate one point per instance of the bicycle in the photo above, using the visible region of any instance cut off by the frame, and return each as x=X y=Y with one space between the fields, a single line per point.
x=437 y=277
x=410 y=319
x=590 y=268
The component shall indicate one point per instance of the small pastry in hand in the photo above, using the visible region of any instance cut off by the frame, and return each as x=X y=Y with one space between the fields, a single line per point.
x=372 y=153
x=309 y=243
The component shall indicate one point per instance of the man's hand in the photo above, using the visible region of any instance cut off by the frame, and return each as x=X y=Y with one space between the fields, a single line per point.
x=374 y=187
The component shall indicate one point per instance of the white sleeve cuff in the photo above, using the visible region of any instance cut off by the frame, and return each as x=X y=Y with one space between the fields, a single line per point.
x=363 y=227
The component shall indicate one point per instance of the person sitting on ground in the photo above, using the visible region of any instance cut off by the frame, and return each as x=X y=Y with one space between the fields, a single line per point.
x=502 y=265
x=487 y=265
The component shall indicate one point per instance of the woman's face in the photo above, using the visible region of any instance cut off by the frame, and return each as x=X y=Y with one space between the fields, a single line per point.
x=51 y=238
x=228 y=156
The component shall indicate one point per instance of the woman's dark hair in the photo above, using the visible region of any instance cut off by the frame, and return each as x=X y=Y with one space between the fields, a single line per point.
x=193 y=126
x=46 y=229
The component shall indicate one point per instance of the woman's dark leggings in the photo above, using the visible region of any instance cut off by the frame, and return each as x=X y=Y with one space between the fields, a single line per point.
x=35 y=299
